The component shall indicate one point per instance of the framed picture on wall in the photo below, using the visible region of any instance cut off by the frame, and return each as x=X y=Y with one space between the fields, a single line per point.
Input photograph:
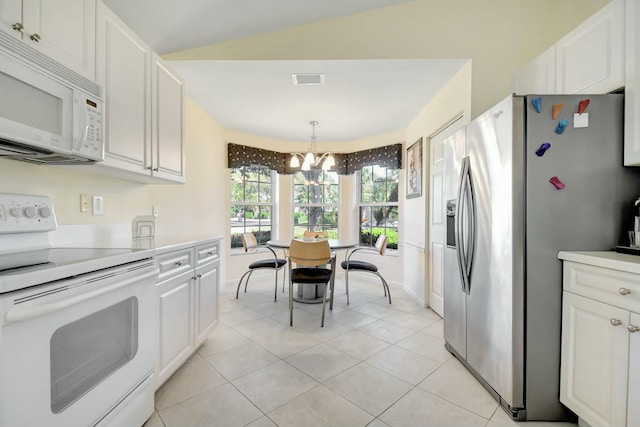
x=414 y=170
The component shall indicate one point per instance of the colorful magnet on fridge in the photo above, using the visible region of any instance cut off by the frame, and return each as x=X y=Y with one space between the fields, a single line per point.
x=582 y=105
x=537 y=103
x=543 y=148
x=557 y=183
x=557 y=108
x=561 y=126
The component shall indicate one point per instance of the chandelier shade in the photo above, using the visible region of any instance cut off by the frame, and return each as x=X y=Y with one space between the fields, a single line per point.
x=311 y=158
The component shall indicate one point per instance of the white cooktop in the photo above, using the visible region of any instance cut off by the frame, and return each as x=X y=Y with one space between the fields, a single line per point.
x=26 y=257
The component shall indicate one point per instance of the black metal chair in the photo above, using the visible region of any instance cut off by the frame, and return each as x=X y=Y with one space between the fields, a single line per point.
x=249 y=242
x=356 y=265
x=309 y=255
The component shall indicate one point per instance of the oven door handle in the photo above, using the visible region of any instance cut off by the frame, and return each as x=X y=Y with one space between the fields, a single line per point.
x=25 y=313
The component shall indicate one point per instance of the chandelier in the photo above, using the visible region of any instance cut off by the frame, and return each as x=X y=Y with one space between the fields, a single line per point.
x=312 y=158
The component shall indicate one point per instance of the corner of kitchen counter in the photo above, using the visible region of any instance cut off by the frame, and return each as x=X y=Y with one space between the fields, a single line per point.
x=606 y=259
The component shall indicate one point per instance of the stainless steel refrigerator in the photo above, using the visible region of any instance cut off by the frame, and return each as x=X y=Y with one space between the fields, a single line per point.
x=519 y=187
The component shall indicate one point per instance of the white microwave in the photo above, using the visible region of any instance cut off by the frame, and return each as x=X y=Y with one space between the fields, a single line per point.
x=45 y=117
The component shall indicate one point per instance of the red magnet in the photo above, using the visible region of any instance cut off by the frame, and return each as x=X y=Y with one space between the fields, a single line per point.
x=557 y=108
x=582 y=105
x=557 y=183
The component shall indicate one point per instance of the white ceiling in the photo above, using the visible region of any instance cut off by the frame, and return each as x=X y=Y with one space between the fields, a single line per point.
x=361 y=98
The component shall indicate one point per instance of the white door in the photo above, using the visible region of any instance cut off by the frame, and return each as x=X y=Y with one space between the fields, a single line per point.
x=436 y=226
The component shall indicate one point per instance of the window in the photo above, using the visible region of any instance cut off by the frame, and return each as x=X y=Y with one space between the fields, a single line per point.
x=251 y=203
x=378 y=205
x=316 y=194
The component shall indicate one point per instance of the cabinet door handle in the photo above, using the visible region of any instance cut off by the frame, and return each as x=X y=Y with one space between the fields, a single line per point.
x=178 y=263
x=624 y=291
x=18 y=27
x=155 y=169
x=615 y=322
x=632 y=328
x=35 y=37
x=199 y=276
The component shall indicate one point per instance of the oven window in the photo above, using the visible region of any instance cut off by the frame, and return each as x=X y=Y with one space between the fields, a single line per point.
x=88 y=350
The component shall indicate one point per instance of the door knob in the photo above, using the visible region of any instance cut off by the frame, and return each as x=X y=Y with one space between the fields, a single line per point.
x=632 y=328
x=18 y=27
x=624 y=291
x=615 y=322
x=35 y=37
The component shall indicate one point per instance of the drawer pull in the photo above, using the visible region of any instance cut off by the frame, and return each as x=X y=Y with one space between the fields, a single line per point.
x=210 y=253
x=624 y=291
x=632 y=328
x=615 y=322
x=178 y=263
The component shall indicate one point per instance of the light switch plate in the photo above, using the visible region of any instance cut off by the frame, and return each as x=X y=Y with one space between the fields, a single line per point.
x=98 y=205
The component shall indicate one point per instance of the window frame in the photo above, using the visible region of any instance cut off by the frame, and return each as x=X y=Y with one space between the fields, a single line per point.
x=271 y=205
x=374 y=204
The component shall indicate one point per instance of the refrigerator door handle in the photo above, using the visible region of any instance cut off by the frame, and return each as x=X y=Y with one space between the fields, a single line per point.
x=461 y=209
x=471 y=225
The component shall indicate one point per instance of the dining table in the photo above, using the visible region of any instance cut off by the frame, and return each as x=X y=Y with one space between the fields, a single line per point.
x=334 y=244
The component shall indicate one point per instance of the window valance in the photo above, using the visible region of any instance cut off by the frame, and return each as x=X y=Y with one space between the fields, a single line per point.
x=241 y=155
x=346 y=163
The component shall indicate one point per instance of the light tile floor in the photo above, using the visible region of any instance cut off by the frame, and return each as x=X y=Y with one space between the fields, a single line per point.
x=373 y=364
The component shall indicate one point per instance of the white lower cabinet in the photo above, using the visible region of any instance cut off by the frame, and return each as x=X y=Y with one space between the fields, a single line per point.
x=595 y=353
x=600 y=368
x=187 y=304
x=633 y=410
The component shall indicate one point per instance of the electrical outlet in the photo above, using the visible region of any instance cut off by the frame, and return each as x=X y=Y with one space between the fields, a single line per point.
x=85 y=203
x=154 y=211
x=98 y=205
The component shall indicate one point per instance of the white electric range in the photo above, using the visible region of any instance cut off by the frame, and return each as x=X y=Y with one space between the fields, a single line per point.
x=77 y=325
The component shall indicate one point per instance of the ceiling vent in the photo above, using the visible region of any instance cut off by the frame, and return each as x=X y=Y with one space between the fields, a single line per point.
x=308 y=79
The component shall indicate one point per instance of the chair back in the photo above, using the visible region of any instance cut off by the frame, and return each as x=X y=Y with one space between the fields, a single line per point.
x=249 y=241
x=316 y=234
x=381 y=243
x=310 y=254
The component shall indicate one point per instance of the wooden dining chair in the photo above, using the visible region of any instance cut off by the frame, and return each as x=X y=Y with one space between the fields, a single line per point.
x=309 y=255
x=250 y=243
x=356 y=265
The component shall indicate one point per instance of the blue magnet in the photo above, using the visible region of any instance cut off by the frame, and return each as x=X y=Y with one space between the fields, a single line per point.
x=561 y=126
x=544 y=147
x=537 y=103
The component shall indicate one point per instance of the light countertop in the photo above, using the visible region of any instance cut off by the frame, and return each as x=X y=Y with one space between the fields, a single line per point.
x=605 y=259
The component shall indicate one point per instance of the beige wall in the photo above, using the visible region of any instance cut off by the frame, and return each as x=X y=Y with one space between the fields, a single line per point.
x=500 y=36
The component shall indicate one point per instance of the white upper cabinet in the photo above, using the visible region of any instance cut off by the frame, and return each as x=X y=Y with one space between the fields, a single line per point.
x=167 y=123
x=632 y=93
x=144 y=108
x=124 y=72
x=539 y=76
x=590 y=59
x=64 y=30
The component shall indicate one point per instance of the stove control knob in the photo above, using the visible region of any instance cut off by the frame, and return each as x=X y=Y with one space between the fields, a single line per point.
x=30 y=212
x=45 y=212
x=17 y=212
